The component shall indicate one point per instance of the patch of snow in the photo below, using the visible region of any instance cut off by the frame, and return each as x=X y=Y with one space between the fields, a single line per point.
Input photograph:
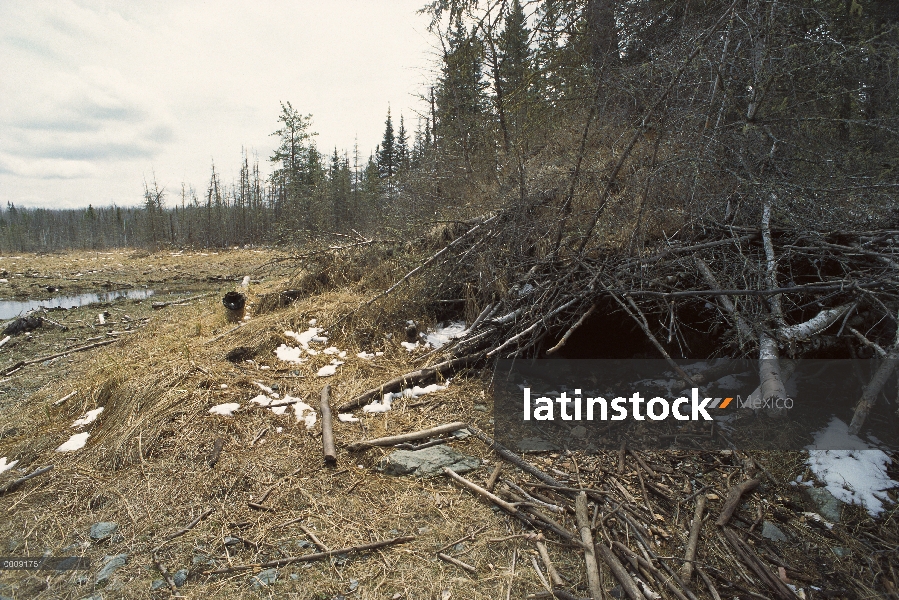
x=76 y=442
x=88 y=418
x=310 y=335
x=266 y=389
x=330 y=369
x=278 y=410
x=527 y=289
x=223 y=386
x=289 y=354
x=857 y=474
x=279 y=429
x=331 y=350
x=445 y=334
x=344 y=417
x=5 y=466
x=342 y=354
x=313 y=321
x=410 y=346
x=305 y=413
x=261 y=400
x=312 y=352
x=245 y=282
x=226 y=410
x=369 y=355
x=383 y=405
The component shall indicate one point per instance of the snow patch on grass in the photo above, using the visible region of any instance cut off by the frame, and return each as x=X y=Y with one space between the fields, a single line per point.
x=330 y=369
x=290 y=354
x=76 y=442
x=5 y=466
x=345 y=417
x=383 y=405
x=88 y=418
x=226 y=410
x=305 y=413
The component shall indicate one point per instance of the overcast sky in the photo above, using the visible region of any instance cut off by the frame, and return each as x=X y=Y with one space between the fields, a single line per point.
x=97 y=95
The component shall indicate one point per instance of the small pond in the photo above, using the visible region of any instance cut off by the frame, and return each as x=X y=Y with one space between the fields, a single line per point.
x=9 y=309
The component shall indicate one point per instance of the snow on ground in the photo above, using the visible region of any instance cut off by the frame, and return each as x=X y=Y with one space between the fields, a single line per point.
x=289 y=354
x=345 y=417
x=443 y=335
x=88 y=418
x=262 y=400
x=304 y=413
x=383 y=405
x=76 y=442
x=330 y=369
x=369 y=355
x=855 y=475
x=265 y=389
x=5 y=466
x=226 y=410
x=310 y=335
x=410 y=346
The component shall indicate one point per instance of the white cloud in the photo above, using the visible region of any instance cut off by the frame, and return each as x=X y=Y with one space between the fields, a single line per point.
x=103 y=93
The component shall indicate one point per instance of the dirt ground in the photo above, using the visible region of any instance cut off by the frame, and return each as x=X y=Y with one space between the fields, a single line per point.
x=147 y=465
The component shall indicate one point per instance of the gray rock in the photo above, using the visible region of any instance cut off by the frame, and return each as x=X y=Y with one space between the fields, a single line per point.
x=536 y=445
x=829 y=507
x=427 y=462
x=110 y=565
x=264 y=578
x=841 y=552
x=772 y=532
x=101 y=531
x=480 y=407
x=180 y=577
x=461 y=434
x=157 y=584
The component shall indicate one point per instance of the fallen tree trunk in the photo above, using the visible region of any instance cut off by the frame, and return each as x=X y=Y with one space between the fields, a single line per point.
x=328 y=447
x=412 y=378
x=407 y=437
x=311 y=557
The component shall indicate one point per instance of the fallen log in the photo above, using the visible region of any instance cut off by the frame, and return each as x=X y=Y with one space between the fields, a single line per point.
x=686 y=571
x=749 y=558
x=10 y=487
x=512 y=458
x=158 y=305
x=872 y=390
x=328 y=447
x=281 y=562
x=407 y=437
x=627 y=582
x=583 y=525
x=412 y=378
x=733 y=500
x=25 y=363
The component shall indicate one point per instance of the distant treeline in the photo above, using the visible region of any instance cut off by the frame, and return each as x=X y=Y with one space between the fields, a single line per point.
x=643 y=118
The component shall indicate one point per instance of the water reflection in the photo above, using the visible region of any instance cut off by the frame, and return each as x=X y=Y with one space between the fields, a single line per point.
x=12 y=308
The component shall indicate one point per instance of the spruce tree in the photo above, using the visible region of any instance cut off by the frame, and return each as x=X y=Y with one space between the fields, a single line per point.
x=387 y=151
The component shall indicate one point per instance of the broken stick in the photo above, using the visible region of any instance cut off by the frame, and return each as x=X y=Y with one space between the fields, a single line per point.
x=12 y=486
x=281 y=562
x=733 y=500
x=686 y=571
x=414 y=377
x=330 y=451
x=408 y=437
x=583 y=525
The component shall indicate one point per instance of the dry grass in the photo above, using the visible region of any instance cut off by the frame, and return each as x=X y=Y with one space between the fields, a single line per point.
x=145 y=467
